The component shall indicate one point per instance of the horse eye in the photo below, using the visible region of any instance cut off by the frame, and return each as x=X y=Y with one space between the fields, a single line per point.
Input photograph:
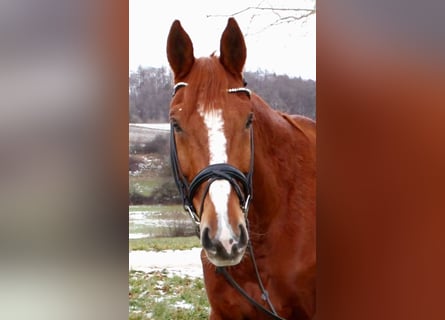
x=249 y=121
x=176 y=126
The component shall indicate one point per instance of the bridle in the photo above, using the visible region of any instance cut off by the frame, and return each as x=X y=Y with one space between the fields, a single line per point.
x=240 y=182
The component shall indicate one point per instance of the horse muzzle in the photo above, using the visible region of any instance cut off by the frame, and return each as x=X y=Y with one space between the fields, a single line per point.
x=225 y=249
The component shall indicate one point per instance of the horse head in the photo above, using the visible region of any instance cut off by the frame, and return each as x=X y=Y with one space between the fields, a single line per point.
x=211 y=117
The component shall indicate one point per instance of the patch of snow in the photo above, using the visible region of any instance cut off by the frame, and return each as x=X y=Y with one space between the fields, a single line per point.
x=175 y=262
x=183 y=305
x=153 y=126
x=138 y=235
x=160 y=288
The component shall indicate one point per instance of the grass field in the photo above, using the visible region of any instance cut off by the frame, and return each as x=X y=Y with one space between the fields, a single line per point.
x=145 y=186
x=164 y=243
x=159 y=296
x=165 y=210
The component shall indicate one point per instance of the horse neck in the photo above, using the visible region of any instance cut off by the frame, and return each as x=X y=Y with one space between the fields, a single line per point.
x=272 y=178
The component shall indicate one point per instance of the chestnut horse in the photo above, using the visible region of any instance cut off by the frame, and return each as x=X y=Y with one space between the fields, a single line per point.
x=247 y=177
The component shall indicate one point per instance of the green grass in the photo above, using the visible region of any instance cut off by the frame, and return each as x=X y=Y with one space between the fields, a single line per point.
x=157 y=296
x=158 y=244
x=144 y=185
x=161 y=208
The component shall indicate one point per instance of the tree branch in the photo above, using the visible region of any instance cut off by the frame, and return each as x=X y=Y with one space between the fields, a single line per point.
x=307 y=13
x=292 y=14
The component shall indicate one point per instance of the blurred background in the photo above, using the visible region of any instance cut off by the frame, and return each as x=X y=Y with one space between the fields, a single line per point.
x=63 y=142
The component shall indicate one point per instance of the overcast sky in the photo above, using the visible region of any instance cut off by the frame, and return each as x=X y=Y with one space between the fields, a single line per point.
x=285 y=49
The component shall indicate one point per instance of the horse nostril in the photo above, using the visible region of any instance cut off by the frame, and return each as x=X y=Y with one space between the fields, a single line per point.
x=243 y=236
x=206 y=241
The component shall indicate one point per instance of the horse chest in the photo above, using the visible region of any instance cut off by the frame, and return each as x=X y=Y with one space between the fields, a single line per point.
x=227 y=303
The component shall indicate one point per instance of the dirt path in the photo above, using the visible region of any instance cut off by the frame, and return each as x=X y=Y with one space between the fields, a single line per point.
x=176 y=262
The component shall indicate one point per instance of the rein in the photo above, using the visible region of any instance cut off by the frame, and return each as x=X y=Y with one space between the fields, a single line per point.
x=264 y=294
x=241 y=183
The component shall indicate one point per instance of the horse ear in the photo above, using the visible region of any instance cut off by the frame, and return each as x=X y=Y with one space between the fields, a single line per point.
x=233 y=48
x=179 y=50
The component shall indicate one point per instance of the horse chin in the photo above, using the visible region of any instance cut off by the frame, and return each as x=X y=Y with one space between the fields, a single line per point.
x=225 y=261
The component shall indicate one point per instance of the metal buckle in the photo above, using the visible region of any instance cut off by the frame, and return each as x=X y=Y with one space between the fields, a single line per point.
x=195 y=219
x=192 y=214
x=245 y=207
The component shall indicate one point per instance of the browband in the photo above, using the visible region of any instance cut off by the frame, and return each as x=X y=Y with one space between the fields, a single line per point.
x=179 y=85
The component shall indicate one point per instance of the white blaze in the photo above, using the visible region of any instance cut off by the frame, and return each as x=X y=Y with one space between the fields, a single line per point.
x=219 y=190
x=217 y=140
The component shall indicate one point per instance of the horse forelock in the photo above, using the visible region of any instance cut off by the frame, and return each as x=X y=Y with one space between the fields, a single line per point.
x=208 y=83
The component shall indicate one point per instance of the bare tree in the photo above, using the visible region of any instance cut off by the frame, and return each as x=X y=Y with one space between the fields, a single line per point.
x=281 y=15
x=150 y=93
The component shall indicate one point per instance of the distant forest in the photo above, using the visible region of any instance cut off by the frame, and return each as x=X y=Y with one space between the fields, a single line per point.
x=150 y=93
